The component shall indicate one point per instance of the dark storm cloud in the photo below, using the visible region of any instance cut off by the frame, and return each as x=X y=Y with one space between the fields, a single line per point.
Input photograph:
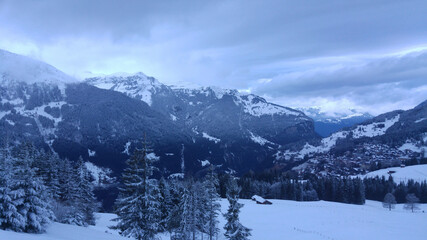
x=407 y=71
x=280 y=28
x=313 y=50
x=50 y=19
x=382 y=84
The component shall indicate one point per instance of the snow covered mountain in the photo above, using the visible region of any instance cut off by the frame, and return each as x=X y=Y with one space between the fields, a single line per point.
x=31 y=92
x=105 y=118
x=325 y=124
x=189 y=128
x=388 y=139
x=214 y=113
x=136 y=85
x=16 y=69
x=42 y=105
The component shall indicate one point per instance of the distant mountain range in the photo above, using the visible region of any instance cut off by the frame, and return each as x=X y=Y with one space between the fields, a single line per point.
x=104 y=118
x=219 y=113
x=325 y=124
x=393 y=128
x=389 y=139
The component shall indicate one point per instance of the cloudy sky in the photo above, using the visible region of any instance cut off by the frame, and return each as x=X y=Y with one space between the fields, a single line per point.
x=367 y=55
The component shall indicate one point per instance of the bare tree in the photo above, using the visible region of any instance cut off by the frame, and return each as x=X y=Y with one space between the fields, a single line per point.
x=412 y=202
x=389 y=201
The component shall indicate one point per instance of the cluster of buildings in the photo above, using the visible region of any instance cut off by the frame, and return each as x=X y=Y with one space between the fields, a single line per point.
x=364 y=158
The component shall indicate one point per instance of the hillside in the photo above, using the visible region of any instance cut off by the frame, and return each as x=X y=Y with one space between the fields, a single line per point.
x=387 y=140
x=327 y=123
x=417 y=172
x=282 y=220
x=105 y=119
x=224 y=114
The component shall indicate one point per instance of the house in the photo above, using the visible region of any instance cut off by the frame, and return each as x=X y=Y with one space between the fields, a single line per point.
x=260 y=200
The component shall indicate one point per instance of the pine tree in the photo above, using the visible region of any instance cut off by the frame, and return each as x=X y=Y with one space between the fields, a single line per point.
x=47 y=168
x=32 y=201
x=234 y=229
x=188 y=209
x=175 y=213
x=200 y=208
x=165 y=203
x=68 y=210
x=212 y=201
x=10 y=217
x=87 y=200
x=138 y=206
x=360 y=194
x=41 y=187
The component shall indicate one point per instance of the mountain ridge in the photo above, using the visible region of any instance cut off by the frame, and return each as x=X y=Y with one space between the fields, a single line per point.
x=187 y=127
x=326 y=124
x=389 y=139
x=104 y=118
x=190 y=107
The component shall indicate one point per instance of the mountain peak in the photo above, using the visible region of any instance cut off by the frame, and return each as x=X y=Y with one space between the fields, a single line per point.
x=136 y=85
x=318 y=114
x=122 y=75
x=16 y=68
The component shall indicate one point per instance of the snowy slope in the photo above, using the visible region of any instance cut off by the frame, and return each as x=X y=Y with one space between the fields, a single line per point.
x=58 y=231
x=249 y=103
x=223 y=116
x=100 y=175
x=31 y=87
x=369 y=130
x=257 y=106
x=326 y=144
x=326 y=123
x=260 y=140
x=282 y=220
x=210 y=138
x=375 y=128
x=416 y=172
x=136 y=85
x=319 y=114
x=142 y=87
x=328 y=220
x=415 y=146
x=15 y=67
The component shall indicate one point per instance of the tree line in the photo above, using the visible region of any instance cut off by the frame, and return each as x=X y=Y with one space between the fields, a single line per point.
x=186 y=209
x=328 y=188
x=37 y=188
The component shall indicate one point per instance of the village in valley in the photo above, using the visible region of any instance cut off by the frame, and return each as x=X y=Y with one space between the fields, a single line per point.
x=363 y=159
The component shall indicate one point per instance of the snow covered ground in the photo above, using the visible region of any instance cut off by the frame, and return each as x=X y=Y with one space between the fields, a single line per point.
x=416 y=172
x=58 y=231
x=327 y=220
x=282 y=220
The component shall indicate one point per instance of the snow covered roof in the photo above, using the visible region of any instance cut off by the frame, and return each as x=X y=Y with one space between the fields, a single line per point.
x=258 y=198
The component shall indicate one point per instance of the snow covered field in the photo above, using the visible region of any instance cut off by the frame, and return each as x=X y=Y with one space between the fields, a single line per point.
x=282 y=220
x=416 y=172
x=58 y=231
x=333 y=221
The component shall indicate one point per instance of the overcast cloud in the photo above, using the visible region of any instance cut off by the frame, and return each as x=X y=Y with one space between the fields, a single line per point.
x=368 y=55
